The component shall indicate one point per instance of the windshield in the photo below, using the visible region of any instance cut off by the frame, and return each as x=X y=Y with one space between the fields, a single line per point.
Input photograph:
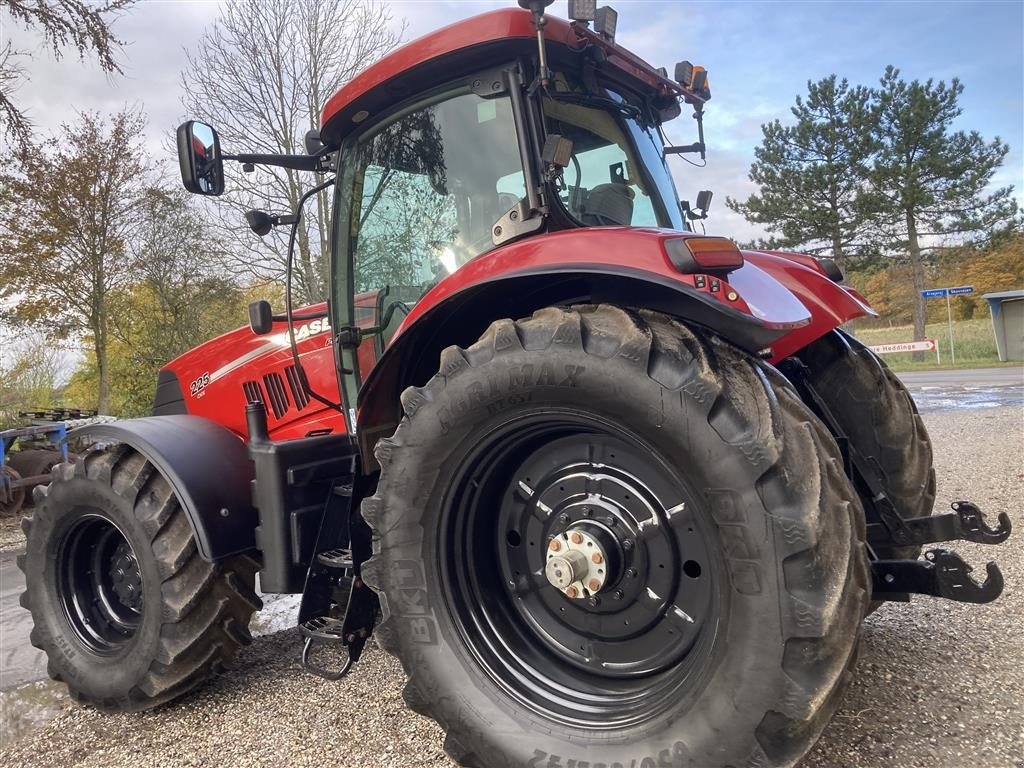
x=617 y=174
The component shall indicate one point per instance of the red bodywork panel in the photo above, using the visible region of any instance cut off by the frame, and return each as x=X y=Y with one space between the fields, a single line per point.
x=785 y=292
x=219 y=377
x=780 y=292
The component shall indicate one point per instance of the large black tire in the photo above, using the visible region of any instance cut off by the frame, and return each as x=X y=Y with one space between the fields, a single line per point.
x=878 y=415
x=778 y=525
x=129 y=615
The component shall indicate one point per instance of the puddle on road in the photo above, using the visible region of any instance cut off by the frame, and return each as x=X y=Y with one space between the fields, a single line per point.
x=29 y=707
x=966 y=398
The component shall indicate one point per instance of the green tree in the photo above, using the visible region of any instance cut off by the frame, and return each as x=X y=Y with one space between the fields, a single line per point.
x=811 y=174
x=29 y=377
x=176 y=301
x=69 y=211
x=928 y=181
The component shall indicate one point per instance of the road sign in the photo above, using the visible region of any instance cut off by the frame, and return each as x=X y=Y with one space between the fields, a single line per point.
x=938 y=293
x=925 y=345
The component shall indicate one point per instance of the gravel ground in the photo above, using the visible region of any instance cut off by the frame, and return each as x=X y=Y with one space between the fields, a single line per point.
x=938 y=684
x=11 y=536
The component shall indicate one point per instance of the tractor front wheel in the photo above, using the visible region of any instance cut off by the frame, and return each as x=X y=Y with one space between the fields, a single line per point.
x=128 y=613
x=603 y=538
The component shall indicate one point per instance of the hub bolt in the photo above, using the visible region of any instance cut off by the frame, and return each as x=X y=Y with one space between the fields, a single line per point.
x=596 y=558
x=576 y=538
x=594 y=585
x=571 y=592
x=555 y=545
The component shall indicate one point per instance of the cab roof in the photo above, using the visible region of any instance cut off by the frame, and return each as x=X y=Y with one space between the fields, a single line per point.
x=476 y=42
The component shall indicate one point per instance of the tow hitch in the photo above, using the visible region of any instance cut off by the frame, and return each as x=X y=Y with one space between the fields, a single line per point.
x=966 y=523
x=943 y=573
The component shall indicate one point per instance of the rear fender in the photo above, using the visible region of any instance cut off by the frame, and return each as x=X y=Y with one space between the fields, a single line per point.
x=769 y=303
x=616 y=265
x=207 y=467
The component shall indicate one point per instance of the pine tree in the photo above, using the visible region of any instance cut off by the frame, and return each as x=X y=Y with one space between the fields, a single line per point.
x=928 y=182
x=811 y=174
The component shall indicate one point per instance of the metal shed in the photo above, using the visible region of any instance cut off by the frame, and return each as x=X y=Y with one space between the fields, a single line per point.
x=1007 y=308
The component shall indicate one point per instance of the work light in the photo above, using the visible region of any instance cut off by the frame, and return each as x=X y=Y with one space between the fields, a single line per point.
x=684 y=73
x=605 y=19
x=582 y=10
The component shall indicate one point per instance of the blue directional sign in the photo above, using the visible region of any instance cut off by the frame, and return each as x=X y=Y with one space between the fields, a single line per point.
x=935 y=293
x=960 y=290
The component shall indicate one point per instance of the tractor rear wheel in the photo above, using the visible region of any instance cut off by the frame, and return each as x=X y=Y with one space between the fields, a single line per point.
x=602 y=538
x=878 y=416
x=128 y=613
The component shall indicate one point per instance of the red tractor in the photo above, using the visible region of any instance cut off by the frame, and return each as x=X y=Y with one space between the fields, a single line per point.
x=614 y=492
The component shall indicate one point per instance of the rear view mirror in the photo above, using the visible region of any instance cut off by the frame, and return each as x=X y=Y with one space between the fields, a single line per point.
x=703 y=200
x=202 y=168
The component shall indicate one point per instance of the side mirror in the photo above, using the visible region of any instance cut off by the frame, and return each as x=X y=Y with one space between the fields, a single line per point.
x=202 y=168
x=703 y=200
x=313 y=141
x=261 y=317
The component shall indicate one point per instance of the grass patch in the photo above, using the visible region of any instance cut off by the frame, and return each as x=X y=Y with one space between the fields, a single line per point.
x=974 y=341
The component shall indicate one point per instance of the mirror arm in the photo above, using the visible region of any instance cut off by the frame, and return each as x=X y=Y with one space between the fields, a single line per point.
x=300 y=316
x=295 y=162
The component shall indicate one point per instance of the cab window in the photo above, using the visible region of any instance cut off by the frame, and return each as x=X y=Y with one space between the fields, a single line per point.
x=427 y=188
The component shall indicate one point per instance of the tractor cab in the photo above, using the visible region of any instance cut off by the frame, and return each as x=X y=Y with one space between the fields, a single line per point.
x=507 y=125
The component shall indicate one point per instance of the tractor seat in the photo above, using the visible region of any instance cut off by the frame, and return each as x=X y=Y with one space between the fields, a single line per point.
x=608 y=204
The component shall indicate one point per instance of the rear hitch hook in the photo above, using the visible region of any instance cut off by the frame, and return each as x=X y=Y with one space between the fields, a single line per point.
x=974 y=528
x=954 y=581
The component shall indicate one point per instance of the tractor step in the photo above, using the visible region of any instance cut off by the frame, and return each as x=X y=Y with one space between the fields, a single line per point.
x=966 y=522
x=336 y=558
x=324 y=630
x=943 y=573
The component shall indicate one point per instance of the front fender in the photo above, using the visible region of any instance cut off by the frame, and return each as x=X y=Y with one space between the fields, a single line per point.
x=207 y=467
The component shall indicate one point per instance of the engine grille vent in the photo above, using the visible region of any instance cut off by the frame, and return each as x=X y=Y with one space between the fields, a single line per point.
x=253 y=392
x=276 y=394
x=299 y=396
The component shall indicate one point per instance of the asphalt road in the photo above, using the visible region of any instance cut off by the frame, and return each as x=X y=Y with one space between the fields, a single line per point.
x=938 y=684
x=965 y=377
x=966 y=389
x=19 y=661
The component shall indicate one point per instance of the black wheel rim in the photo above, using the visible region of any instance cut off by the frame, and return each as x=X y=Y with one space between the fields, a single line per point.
x=614 y=658
x=100 y=584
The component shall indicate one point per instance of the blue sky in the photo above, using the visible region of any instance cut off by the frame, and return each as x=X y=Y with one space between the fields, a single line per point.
x=759 y=56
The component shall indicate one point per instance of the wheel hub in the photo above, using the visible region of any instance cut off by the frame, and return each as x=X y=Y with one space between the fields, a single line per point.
x=577 y=563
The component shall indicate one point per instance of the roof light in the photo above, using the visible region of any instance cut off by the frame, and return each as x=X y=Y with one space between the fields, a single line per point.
x=582 y=10
x=605 y=20
x=684 y=73
x=703 y=254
